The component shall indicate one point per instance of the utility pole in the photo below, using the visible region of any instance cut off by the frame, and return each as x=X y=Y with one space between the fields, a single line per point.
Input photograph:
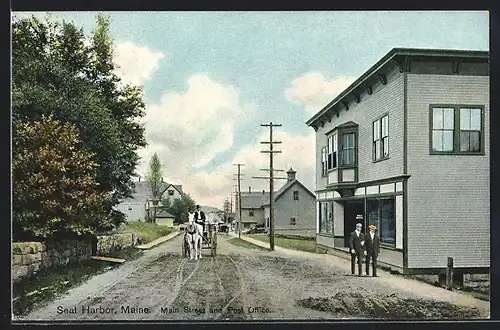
x=271 y=178
x=239 y=197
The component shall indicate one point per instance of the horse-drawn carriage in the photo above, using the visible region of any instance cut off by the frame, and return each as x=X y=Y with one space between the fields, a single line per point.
x=204 y=236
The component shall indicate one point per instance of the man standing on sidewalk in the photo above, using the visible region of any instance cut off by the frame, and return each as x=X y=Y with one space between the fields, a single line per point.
x=356 y=242
x=372 y=250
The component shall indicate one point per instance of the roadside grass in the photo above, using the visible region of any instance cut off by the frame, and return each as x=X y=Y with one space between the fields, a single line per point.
x=147 y=231
x=50 y=283
x=242 y=243
x=290 y=242
x=467 y=290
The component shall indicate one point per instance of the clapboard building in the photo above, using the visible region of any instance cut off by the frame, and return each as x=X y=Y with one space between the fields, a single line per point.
x=406 y=147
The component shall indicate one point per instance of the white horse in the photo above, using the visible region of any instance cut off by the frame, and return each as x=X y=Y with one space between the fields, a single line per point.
x=193 y=237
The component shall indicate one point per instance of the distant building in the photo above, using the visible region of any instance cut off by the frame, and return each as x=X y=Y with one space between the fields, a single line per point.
x=137 y=207
x=294 y=208
x=163 y=218
x=406 y=147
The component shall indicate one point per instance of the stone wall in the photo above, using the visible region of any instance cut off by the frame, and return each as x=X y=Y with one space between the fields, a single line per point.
x=110 y=243
x=30 y=257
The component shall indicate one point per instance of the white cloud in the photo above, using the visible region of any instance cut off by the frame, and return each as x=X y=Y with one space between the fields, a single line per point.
x=188 y=130
x=135 y=63
x=314 y=92
x=211 y=188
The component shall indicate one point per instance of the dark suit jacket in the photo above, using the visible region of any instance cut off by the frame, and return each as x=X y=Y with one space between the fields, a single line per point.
x=199 y=215
x=355 y=242
x=372 y=246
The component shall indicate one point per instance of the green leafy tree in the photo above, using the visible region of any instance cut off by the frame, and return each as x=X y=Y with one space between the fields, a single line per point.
x=54 y=187
x=57 y=69
x=179 y=207
x=154 y=179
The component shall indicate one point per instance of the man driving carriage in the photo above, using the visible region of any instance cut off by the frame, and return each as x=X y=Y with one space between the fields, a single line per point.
x=199 y=217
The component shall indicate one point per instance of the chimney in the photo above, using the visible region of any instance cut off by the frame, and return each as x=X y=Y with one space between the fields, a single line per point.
x=139 y=178
x=291 y=174
x=249 y=189
x=162 y=179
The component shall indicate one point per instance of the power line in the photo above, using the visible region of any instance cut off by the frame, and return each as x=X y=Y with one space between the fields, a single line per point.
x=271 y=177
x=239 y=196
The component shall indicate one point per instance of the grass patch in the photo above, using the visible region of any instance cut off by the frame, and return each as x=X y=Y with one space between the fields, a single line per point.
x=147 y=231
x=36 y=291
x=290 y=242
x=242 y=243
x=50 y=283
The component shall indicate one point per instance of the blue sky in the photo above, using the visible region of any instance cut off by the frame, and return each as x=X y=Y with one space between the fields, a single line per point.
x=211 y=78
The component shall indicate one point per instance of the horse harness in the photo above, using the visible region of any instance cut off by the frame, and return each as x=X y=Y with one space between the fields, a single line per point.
x=193 y=231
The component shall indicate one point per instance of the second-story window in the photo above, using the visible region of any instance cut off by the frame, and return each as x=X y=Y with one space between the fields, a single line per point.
x=323 y=161
x=250 y=213
x=170 y=192
x=348 y=149
x=332 y=152
x=381 y=138
x=296 y=195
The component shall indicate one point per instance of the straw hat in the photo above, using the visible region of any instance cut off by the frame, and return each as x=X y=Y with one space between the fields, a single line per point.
x=372 y=227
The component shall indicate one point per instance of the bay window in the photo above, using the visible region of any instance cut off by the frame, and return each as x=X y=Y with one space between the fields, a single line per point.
x=348 y=149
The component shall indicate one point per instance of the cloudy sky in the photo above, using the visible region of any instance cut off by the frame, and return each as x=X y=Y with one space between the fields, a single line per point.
x=211 y=78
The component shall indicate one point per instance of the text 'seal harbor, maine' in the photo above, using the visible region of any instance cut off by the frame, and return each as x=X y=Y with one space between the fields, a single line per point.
x=243 y=166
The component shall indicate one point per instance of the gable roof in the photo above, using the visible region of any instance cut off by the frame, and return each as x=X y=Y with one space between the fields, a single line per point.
x=177 y=187
x=142 y=191
x=164 y=214
x=254 y=200
x=289 y=185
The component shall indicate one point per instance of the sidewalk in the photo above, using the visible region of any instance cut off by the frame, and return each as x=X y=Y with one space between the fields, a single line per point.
x=414 y=287
x=158 y=241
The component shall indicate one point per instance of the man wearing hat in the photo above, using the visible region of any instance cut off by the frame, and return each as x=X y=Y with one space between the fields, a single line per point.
x=356 y=242
x=199 y=217
x=372 y=250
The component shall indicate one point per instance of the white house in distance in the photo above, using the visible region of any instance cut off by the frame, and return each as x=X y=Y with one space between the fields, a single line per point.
x=294 y=208
x=136 y=207
x=406 y=148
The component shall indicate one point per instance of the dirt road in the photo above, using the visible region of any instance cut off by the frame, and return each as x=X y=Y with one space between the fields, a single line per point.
x=240 y=284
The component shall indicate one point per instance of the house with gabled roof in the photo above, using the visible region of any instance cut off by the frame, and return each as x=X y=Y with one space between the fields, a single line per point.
x=136 y=207
x=294 y=208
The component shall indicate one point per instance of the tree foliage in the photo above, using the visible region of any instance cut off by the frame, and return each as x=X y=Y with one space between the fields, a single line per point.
x=154 y=176
x=179 y=207
x=57 y=69
x=54 y=186
x=154 y=179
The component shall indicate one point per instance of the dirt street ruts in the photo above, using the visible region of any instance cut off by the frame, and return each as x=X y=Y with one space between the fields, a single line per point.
x=240 y=284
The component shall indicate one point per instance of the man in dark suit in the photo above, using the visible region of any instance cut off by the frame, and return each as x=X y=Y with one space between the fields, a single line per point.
x=356 y=242
x=199 y=217
x=372 y=250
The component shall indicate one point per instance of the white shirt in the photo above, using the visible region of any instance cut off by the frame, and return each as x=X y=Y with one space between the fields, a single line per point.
x=372 y=235
x=357 y=233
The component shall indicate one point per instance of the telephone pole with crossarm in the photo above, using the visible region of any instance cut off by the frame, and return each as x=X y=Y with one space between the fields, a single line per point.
x=271 y=178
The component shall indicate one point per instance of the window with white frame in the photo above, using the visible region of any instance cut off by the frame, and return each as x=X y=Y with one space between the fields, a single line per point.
x=457 y=130
x=381 y=138
x=332 y=152
x=323 y=161
x=293 y=221
x=348 y=149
